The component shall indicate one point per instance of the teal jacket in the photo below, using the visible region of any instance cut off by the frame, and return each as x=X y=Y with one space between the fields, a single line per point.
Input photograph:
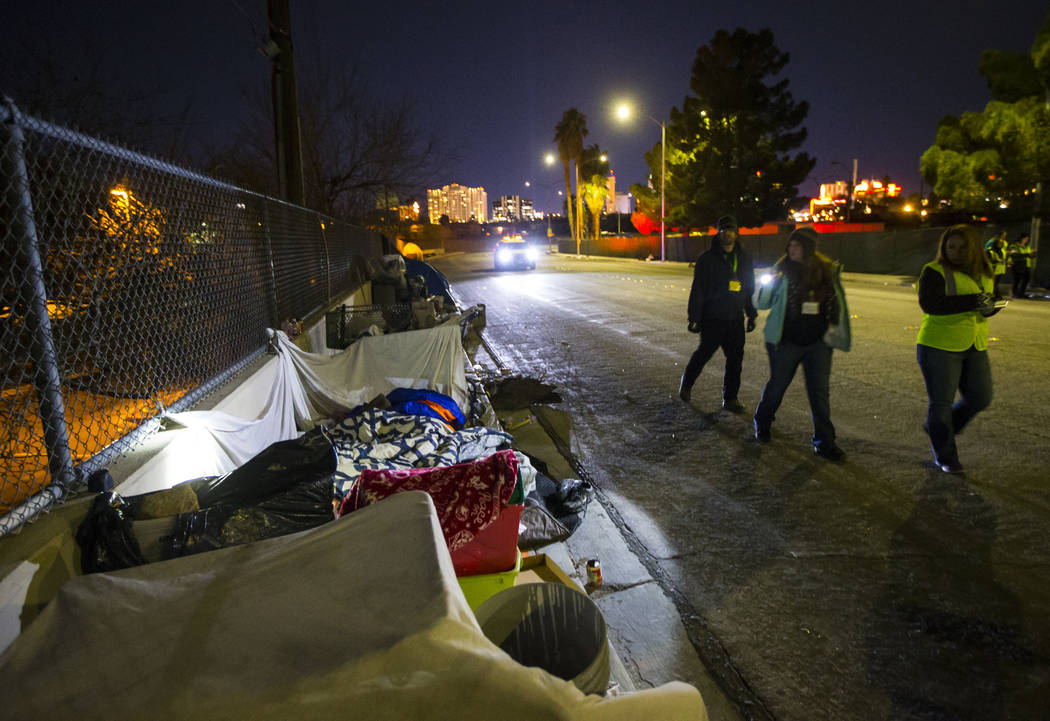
x=771 y=295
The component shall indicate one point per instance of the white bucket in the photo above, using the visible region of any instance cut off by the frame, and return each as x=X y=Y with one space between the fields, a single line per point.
x=551 y=626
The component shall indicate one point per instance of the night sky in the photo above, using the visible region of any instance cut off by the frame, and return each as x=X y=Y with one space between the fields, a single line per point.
x=493 y=79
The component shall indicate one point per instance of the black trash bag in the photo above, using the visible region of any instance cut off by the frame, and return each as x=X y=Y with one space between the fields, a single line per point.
x=305 y=505
x=100 y=481
x=566 y=502
x=275 y=468
x=575 y=495
x=106 y=538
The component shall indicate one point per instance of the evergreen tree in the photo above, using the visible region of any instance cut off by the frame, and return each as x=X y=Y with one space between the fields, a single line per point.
x=729 y=147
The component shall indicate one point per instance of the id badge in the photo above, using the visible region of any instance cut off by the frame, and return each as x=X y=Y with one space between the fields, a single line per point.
x=734 y=286
x=810 y=307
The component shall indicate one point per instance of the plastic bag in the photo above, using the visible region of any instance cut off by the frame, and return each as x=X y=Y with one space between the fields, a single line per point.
x=574 y=495
x=275 y=468
x=105 y=536
x=285 y=488
x=565 y=503
x=306 y=505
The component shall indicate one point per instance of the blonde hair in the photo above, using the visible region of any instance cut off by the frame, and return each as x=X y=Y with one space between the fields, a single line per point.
x=976 y=264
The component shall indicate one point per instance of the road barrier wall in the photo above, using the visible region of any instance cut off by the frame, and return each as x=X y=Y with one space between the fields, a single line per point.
x=887 y=252
x=130 y=288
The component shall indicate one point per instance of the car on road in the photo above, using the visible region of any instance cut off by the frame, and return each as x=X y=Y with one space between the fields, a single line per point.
x=513 y=251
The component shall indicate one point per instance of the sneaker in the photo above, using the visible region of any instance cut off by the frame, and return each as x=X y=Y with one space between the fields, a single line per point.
x=733 y=406
x=953 y=467
x=762 y=434
x=830 y=452
x=684 y=391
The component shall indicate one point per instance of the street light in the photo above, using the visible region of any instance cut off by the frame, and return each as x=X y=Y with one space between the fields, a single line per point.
x=623 y=112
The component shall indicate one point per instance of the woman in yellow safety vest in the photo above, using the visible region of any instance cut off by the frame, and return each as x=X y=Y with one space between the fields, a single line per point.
x=956 y=297
x=996 y=250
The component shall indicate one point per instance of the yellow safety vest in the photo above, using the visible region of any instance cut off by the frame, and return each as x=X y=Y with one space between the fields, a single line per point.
x=997 y=257
x=1023 y=250
x=957 y=331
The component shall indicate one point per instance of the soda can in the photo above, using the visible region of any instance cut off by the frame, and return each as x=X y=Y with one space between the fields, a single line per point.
x=594 y=572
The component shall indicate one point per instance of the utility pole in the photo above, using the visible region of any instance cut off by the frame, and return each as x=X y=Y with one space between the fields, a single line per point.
x=852 y=185
x=1033 y=235
x=285 y=104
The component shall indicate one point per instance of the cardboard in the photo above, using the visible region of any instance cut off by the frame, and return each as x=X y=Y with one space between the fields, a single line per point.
x=539 y=568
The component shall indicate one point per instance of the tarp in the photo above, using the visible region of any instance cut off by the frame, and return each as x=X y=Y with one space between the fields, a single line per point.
x=303 y=389
x=361 y=618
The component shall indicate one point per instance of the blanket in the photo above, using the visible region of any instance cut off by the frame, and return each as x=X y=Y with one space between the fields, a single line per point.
x=380 y=439
x=468 y=496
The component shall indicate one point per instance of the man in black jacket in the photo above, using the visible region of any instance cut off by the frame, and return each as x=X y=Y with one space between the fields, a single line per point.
x=723 y=283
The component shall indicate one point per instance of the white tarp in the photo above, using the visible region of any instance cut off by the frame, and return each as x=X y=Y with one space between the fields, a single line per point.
x=361 y=618
x=301 y=389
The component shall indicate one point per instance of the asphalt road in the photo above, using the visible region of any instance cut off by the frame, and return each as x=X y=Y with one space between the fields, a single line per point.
x=875 y=589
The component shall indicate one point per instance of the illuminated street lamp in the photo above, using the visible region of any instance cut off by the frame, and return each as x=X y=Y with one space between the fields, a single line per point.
x=623 y=112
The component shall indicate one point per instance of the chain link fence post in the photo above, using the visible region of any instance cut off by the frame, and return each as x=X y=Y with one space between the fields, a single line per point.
x=274 y=313
x=46 y=379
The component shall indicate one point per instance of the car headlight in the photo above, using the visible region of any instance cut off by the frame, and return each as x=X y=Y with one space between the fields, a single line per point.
x=530 y=253
x=503 y=255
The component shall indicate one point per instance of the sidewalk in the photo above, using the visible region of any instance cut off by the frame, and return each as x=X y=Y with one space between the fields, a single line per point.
x=650 y=645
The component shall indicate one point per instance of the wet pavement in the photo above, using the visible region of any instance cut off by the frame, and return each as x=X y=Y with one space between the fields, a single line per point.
x=879 y=588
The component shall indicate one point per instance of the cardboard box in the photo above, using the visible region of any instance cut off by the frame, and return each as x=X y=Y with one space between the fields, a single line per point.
x=539 y=568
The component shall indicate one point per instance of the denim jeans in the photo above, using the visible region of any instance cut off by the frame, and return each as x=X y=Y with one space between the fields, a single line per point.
x=946 y=372
x=714 y=334
x=784 y=360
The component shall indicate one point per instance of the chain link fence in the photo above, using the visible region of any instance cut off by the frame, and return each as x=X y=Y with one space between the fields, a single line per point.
x=130 y=287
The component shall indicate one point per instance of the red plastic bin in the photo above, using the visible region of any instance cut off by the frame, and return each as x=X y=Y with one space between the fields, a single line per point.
x=494 y=548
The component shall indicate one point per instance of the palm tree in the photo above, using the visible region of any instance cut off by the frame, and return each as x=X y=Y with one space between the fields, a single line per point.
x=569 y=134
x=595 y=191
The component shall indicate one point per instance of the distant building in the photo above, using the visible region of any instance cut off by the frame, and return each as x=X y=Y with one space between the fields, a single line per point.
x=875 y=191
x=834 y=197
x=460 y=203
x=624 y=203
x=512 y=208
x=506 y=209
x=408 y=212
x=610 y=197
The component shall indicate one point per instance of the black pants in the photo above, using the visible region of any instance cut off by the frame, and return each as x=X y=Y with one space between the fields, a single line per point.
x=1021 y=278
x=714 y=334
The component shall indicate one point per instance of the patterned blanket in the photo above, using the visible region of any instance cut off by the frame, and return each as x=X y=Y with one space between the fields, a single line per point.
x=467 y=496
x=378 y=439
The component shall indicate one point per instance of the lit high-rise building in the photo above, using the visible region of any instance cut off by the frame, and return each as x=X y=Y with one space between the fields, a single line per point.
x=509 y=208
x=528 y=212
x=460 y=203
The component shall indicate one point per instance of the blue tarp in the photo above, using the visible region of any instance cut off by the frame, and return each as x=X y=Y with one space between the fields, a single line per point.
x=437 y=284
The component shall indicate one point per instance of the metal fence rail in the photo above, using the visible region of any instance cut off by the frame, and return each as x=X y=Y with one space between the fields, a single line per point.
x=129 y=284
